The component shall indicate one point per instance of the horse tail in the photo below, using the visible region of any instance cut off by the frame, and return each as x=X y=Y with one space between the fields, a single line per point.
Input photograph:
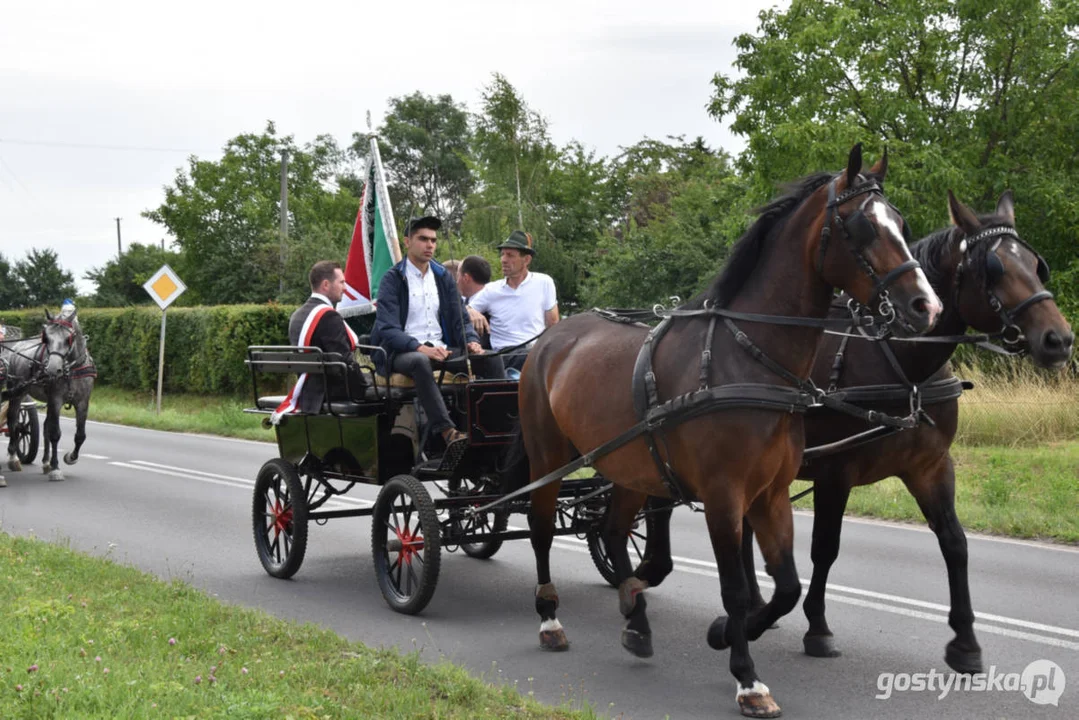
x=515 y=468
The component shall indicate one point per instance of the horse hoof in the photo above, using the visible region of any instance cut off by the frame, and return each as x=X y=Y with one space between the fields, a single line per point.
x=758 y=704
x=14 y=465
x=717 y=634
x=963 y=661
x=3 y=482
x=554 y=640
x=821 y=646
x=638 y=643
x=56 y=476
x=70 y=459
x=552 y=636
x=46 y=469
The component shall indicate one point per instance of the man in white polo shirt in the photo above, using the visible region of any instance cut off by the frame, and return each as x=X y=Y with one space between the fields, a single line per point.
x=521 y=305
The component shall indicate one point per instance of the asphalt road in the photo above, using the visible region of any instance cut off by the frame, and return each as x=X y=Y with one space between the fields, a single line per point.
x=179 y=506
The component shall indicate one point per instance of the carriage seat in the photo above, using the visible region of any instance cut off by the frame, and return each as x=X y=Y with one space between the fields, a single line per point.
x=345 y=408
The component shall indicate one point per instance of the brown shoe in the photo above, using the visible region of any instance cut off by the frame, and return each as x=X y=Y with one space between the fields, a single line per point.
x=452 y=435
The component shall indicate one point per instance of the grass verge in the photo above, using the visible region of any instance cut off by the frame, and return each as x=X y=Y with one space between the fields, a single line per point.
x=206 y=414
x=81 y=637
x=1022 y=492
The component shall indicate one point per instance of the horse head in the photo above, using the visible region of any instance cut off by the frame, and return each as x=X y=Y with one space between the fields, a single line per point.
x=999 y=283
x=63 y=342
x=870 y=259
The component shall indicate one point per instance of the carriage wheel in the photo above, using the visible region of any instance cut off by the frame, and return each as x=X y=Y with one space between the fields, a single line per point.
x=406 y=544
x=27 y=431
x=491 y=522
x=638 y=546
x=279 y=515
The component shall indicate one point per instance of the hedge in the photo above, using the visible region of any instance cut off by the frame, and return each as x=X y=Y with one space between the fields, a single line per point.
x=205 y=347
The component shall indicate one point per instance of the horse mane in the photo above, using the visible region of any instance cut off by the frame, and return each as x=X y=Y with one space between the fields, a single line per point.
x=748 y=250
x=932 y=251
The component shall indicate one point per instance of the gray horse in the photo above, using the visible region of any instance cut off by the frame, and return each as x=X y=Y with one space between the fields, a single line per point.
x=55 y=369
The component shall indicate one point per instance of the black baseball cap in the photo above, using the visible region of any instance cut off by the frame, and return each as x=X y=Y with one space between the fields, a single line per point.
x=427 y=222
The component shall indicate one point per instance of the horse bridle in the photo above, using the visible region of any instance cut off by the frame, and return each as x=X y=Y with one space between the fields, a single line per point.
x=859 y=226
x=71 y=332
x=1011 y=333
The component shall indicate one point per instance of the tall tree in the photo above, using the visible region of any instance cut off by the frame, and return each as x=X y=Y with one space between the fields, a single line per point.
x=12 y=292
x=119 y=281
x=681 y=206
x=973 y=95
x=43 y=280
x=424 y=142
x=224 y=214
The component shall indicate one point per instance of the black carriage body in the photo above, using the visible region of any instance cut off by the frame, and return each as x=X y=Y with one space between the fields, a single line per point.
x=322 y=456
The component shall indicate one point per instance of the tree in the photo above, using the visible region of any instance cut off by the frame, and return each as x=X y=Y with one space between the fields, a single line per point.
x=681 y=207
x=42 y=279
x=119 y=282
x=972 y=95
x=12 y=292
x=424 y=143
x=224 y=215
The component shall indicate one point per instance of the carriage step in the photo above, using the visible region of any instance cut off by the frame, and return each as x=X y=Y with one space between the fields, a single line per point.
x=453 y=455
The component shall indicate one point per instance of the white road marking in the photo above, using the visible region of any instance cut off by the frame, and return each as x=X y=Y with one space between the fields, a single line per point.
x=93 y=457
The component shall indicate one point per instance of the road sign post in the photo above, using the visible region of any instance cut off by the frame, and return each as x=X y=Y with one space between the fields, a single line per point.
x=164 y=287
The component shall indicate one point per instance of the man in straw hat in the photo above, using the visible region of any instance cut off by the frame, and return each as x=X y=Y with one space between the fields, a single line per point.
x=522 y=304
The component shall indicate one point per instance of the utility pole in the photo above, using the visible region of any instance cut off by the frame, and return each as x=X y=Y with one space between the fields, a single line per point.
x=119 y=246
x=284 y=216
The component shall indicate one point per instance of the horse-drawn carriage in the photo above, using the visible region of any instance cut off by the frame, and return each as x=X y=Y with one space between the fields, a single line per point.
x=24 y=429
x=711 y=405
x=427 y=502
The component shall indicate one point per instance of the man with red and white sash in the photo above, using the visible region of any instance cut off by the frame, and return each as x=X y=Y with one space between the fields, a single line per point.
x=317 y=324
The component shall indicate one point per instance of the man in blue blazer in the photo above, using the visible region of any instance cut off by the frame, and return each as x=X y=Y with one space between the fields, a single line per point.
x=420 y=323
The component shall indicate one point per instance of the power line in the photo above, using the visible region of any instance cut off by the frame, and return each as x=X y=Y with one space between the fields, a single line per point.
x=11 y=172
x=93 y=146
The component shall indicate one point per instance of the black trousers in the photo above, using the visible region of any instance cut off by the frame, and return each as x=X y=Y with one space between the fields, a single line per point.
x=421 y=369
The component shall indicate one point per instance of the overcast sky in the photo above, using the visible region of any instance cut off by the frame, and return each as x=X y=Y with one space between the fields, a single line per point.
x=84 y=84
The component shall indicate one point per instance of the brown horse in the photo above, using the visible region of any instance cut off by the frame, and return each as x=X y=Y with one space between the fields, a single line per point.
x=991 y=281
x=575 y=395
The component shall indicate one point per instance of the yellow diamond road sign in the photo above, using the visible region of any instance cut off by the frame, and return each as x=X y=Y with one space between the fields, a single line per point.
x=165 y=286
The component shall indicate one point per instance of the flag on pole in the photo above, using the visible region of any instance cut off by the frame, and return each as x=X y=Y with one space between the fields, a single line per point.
x=374 y=248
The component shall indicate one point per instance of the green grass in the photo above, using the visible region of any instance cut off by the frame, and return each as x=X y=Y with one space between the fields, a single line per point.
x=1022 y=492
x=81 y=637
x=211 y=415
x=1028 y=407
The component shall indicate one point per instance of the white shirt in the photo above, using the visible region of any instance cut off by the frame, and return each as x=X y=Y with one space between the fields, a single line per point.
x=422 y=322
x=516 y=313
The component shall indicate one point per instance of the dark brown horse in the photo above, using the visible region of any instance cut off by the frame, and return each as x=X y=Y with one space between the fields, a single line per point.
x=575 y=395
x=989 y=279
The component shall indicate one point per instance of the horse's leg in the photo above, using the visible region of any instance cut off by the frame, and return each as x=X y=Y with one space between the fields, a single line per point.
x=756 y=600
x=771 y=515
x=657 y=563
x=13 y=461
x=636 y=635
x=81 y=409
x=934 y=489
x=541 y=518
x=52 y=438
x=830 y=496
x=724 y=518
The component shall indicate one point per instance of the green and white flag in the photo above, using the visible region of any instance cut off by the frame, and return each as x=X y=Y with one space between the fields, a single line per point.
x=374 y=248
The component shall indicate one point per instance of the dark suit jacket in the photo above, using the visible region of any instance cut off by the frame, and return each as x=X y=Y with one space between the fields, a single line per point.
x=392 y=314
x=329 y=335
